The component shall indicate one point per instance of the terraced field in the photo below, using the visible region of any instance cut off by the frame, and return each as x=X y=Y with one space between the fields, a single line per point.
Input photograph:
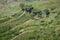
x=18 y=25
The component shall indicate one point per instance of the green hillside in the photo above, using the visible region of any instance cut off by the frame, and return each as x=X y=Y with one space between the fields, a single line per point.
x=14 y=25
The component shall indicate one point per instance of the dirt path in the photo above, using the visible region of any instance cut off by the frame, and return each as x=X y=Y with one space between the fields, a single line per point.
x=29 y=29
x=22 y=14
x=12 y=22
x=14 y=28
x=21 y=34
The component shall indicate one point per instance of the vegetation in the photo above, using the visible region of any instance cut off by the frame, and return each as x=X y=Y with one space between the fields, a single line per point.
x=16 y=24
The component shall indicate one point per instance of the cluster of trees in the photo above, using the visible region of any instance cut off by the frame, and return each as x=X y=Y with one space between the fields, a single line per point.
x=30 y=9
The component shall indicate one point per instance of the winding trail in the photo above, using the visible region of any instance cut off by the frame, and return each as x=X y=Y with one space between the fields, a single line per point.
x=12 y=22
x=21 y=34
x=22 y=31
x=22 y=14
x=16 y=27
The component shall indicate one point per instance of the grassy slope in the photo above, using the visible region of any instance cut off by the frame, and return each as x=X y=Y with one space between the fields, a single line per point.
x=17 y=28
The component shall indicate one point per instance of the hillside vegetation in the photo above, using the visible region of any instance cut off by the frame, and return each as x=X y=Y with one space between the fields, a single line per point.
x=17 y=25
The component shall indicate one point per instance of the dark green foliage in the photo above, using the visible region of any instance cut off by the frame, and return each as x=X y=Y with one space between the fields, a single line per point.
x=3 y=29
x=4 y=20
